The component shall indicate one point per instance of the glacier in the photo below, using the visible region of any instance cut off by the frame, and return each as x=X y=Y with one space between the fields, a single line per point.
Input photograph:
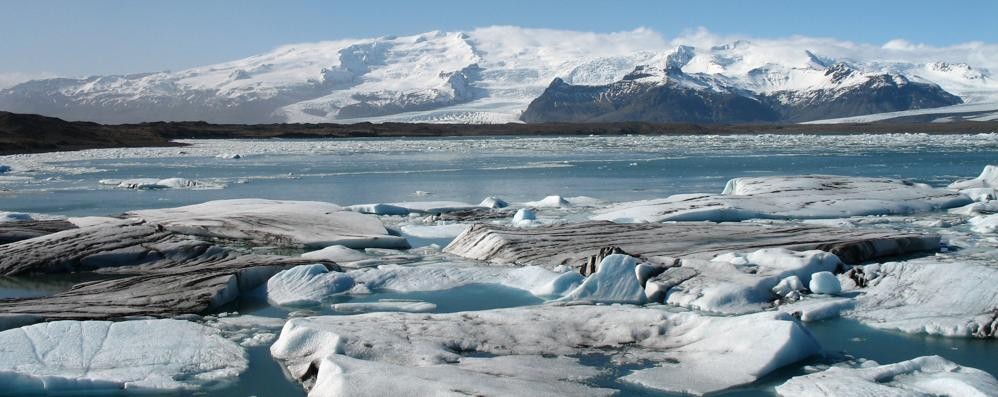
x=486 y=75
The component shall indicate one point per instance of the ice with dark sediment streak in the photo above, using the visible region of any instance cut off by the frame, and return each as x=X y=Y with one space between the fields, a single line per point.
x=791 y=197
x=476 y=352
x=304 y=223
x=927 y=296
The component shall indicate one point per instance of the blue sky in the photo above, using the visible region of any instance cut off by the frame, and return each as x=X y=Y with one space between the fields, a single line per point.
x=117 y=36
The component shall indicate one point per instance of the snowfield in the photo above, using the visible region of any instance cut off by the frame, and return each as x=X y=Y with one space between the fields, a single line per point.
x=485 y=75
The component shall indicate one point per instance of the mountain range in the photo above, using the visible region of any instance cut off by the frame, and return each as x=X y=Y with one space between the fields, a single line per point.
x=510 y=74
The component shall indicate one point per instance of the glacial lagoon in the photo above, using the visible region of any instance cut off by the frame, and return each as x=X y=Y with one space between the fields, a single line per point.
x=595 y=171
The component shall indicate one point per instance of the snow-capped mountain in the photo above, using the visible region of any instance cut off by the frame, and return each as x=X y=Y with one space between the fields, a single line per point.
x=492 y=74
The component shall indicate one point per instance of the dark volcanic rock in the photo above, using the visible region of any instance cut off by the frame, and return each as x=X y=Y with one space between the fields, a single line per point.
x=679 y=97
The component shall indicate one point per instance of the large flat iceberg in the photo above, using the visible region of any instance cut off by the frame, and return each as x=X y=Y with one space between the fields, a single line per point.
x=304 y=223
x=791 y=197
x=100 y=356
x=929 y=296
x=337 y=354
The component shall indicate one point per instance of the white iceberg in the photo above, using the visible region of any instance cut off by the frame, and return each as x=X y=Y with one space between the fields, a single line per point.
x=337 y=253
x=549 y=202
x=824 y=282
x=385 y=305
x=922 y=376
x=310 y=224
x=983 y=187
x=790 y=197
x=493 y=202
x=154 y=183
x=412 y=207
x=984 y=224
x=930 y=297
x=427 y=352
x=435 y=231
x=738 y=283
x=101 y=356
x=615 y=281
x=229 y=156
x=435 y=277
x=817 y=309
x=306 y=284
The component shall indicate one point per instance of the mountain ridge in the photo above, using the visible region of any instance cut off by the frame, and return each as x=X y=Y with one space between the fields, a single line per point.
x=486 y=75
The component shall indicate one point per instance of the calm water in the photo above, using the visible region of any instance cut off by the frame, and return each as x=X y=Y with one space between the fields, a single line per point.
x=515 y=169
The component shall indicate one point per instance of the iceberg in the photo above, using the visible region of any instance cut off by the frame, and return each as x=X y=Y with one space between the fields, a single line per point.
x=922 y=376
x=928 y=296
x=428 y=352
x=615 y=281
x=791 y=197
x=311 y=224
x=102 y=356
x=306 y=285
x=737 y=283
x=982 y=188
x=385 y=306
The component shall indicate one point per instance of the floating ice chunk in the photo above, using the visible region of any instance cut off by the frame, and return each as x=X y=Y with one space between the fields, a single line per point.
x=247 y=330
x=435 y=231
x=153 y=183
x=15 y=217
x=423 y=351
x=413 y=207
x=817 y=309
x=788 y=285
x=984 y=224
x=981 y=193
x=930 y=297
x=101 y=356
x=791 y=197
x=524 y=214
x=824 y=282
x=336 y=253
x=615 y=281
x=742 y=283
x=987 y=178
x=493 y=202
x=311 y=224
x=549 y=202
x=306 y=285
x=537 y=280
x=981 y=208
x=922 y=376
x=385 y=306
x=229 y=156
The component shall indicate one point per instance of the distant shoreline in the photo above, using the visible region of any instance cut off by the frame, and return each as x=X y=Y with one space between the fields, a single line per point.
x=25 y=133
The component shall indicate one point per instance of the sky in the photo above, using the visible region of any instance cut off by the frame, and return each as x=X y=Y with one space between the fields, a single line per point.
x=78 y=38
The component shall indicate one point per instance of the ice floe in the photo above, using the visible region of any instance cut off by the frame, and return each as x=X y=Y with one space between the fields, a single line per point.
x=737 y=282
x=337 y=253
x=412 y=207
x=435 y=277
x=434 y=231
x=824 y=282
x=791 y=197
x=922 y=376
x=475 y=352
x=100 y=356
x=304 y=223
x=306 y=285
x=154 y=183
x=983 y=187
x=928 y=296
x=615 y=281
x=493 y=202
x=985 y=224
x=385 y=305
